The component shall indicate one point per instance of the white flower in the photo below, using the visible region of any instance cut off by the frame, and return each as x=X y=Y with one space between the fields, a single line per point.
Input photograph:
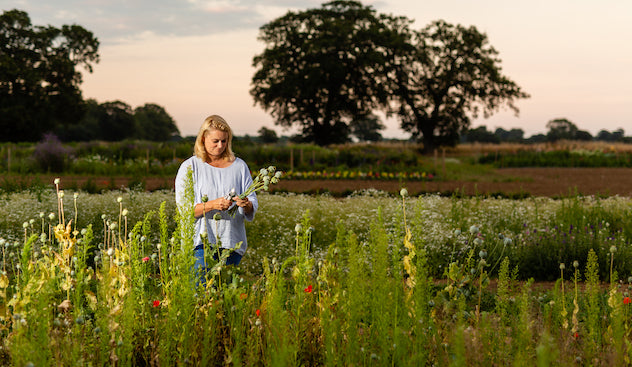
x=57 y=181
x=119 y=199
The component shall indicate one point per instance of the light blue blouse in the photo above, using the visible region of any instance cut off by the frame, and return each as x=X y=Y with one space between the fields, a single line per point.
x=218 y=182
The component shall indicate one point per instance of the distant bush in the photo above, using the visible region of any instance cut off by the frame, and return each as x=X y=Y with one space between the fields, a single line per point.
x=51 y=155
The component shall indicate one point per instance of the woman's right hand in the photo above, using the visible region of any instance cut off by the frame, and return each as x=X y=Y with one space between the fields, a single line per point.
x=217 y=204
x=220 y=204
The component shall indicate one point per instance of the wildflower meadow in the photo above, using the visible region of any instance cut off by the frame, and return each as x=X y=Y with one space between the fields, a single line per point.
x=369 y=279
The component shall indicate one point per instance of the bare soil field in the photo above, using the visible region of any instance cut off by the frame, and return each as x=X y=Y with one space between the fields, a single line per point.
x=551 y=182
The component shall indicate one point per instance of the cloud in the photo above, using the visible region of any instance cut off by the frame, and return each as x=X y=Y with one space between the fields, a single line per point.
x=116 y=21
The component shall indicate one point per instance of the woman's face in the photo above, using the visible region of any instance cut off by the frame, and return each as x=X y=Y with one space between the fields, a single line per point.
x=215 y=143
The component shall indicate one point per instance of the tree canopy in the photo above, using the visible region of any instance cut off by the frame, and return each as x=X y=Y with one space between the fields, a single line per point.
x=39 y=77
x=324 y=68
x=452 y=74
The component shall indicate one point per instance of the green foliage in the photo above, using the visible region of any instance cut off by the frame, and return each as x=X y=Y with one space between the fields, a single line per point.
x=558 y=158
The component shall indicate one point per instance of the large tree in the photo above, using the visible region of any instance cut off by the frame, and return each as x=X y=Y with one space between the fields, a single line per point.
x=39 y=80
x=452 y=74
x=324 y=68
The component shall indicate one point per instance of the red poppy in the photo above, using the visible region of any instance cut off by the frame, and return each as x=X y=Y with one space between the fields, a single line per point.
x=308 y=289
x=258 y=312
x=576 y=335
x=156 y=303
x=627 y=300
x=145 y=259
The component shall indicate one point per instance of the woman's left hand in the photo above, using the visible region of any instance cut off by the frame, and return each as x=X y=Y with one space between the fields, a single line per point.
x=244 y=203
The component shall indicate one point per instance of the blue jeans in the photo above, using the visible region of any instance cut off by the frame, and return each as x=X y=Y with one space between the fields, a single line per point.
x=200 y=269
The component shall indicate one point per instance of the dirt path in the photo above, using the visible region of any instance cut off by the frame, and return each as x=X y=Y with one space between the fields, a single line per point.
x=550 y=182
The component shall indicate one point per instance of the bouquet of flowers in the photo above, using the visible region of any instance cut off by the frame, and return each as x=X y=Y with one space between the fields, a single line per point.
x=264 y=179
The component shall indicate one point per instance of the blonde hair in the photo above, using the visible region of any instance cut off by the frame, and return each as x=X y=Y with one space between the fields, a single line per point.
x=214 y=122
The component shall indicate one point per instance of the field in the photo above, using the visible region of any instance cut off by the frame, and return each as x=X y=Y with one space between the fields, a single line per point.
x=508 y=182
x=482 y=266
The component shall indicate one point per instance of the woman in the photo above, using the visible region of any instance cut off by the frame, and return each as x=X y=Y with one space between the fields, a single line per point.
x=216 y=174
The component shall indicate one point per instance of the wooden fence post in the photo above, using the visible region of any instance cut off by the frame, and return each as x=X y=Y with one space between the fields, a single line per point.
x=443 y=161
x=292 y=159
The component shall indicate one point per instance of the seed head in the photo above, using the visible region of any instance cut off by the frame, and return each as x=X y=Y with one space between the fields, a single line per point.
x=217 y=216
x=473 y=229
x=119 y=199
x=204 y=198
x=403 y=192
x=124 y=212
x=51 y=216
x=562 y=266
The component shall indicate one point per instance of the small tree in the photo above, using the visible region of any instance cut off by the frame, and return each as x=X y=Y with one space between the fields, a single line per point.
x=154 y=123
x=267 y=135
x=561 y=129
x=367 y=128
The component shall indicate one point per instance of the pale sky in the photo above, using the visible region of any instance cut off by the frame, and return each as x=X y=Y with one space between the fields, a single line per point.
x=194 y=57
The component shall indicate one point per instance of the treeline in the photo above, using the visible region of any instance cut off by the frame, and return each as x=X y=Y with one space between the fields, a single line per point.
x=117 y=121
x=559 y=129
x=40 y=88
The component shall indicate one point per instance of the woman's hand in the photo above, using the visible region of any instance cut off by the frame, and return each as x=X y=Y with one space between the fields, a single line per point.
x=217 y=204
x=244 y=203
